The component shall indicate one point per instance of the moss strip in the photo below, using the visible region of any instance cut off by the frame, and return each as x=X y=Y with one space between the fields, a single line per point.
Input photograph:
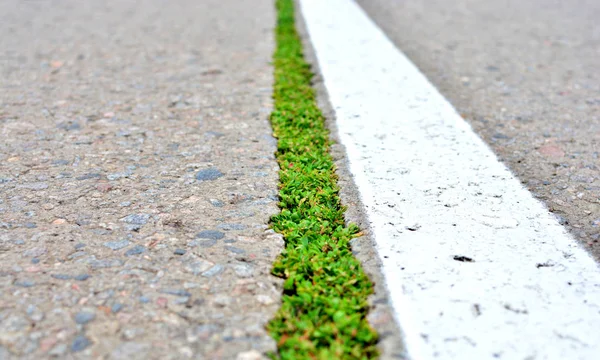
x=323 y=315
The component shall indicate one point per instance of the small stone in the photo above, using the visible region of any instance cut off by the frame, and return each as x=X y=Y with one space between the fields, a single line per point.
x=84 y=317
x=235 y=250
x=162 y=302
x=208 y=174
x=215 y=270
x=59 y=222
x=179 y=252
x=553 y=151
x=216 y=203
x=82 y=277
x=61 y=276
x=24 y=283
x=500 y=136
x=243 y=270
x=104 y=187
x=34 y=313
x=136 y=219
x=144 y=299
x=125 y=204
x=116 y=308
x=103 y=263
x=136 y=250
x=89 y=176
x=35 y=261
x=80 y=343
x=30 y=225
x=176 y=292
x=60 y=162
x=117 y=245
x=231 y=226
x=35 y=252
x=210 y=234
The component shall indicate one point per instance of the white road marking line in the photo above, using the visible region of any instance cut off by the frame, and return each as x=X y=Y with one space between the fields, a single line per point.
x=476 y=267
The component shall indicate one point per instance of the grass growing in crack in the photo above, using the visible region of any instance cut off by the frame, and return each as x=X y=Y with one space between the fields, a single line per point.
x=323 y=315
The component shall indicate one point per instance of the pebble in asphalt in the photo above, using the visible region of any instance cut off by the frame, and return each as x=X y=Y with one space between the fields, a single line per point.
x=525 y=75
x=133 y=133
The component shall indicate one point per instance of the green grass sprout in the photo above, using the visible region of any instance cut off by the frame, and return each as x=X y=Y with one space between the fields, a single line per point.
x=324 y=305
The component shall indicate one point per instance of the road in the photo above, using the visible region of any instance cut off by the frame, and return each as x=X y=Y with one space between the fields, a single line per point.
x=524 y=74
x=137 y=178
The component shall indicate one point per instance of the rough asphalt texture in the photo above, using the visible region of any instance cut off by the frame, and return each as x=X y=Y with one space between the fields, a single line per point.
x=525 y=75
x=137 y=177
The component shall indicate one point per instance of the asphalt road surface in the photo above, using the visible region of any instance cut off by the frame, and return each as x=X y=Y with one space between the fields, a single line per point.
x=525 y=75
x=137 y=177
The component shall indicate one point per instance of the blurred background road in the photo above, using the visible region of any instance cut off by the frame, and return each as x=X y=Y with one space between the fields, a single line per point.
x=525 y=75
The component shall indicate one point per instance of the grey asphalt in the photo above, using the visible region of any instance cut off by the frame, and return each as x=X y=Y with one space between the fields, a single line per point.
x=524 y=74
x=137 y=179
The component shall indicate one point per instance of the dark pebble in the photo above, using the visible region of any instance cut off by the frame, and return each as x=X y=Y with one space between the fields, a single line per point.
x=35 y=261
x=89 y=176
x=176 y=292
x=210 y=234
x=499 y=136
x=60 y=162
x=80 y=343
x=61 y=276
x=117 y=245
x=84 y=317
x=137 y=219
x=235 y=250
x=179 y=252
x=82 y=277
x=144 y=299
x=215 y=270
x=24 y=283
x=79 y=246
x=136 y=250
x=116 y=308
x=208 y=174
x=30 y=225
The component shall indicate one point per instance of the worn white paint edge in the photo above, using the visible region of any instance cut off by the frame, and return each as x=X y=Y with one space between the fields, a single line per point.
x=433 y=190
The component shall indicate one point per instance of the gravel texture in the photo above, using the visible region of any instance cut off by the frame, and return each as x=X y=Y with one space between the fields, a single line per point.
x=525 y=75
x=137 y=178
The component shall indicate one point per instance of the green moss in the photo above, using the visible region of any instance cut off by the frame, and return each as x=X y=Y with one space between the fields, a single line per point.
x=323 y=315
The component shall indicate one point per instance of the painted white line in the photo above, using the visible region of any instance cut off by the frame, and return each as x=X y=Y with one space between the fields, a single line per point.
x=437 y=197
